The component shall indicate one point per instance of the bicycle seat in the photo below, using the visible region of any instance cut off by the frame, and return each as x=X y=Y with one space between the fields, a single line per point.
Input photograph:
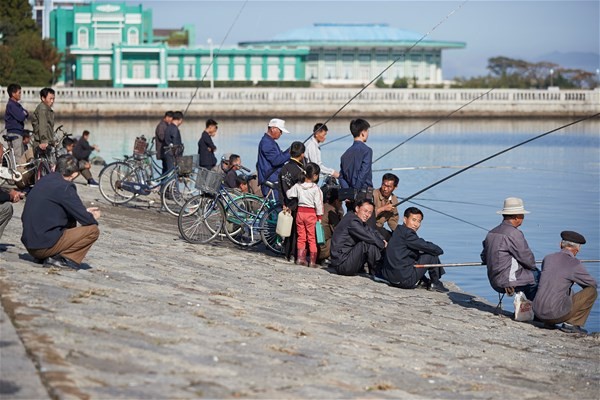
x=9 y=137
x=272 y=185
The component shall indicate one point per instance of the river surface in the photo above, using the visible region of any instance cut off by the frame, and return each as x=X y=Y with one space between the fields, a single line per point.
x=558 y=176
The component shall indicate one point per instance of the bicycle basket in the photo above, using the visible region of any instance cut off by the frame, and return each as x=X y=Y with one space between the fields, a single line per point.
x=140 y=146
x=186 y=164
x=208 y=181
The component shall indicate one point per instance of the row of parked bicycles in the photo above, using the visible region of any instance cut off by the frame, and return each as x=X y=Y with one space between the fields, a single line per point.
x=205 y=208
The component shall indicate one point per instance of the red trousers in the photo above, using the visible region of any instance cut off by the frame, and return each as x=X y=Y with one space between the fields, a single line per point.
x=306 y=219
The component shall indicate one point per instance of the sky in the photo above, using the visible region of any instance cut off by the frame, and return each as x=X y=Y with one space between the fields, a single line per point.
x=528 y=30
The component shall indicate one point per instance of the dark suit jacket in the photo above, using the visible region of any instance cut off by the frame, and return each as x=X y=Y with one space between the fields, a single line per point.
x=350 y=231
x=206 y=151
x=403 y=251
x=51 y=207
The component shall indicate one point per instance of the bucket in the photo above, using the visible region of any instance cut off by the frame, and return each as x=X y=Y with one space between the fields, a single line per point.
x=284 y=224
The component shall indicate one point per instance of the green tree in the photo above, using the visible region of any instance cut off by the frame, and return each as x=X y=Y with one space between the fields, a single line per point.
x=400 y=83
x=381 y=84
x=25 y=57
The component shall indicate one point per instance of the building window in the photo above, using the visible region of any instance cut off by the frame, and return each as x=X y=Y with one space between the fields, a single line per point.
x=87 y=71
x=83 y=38
x=330 y=72
x=104 y=72
x=139 y=71
x=223 y=72
x=154 y=71
x=133 y=37
x=347 y=72
x=364 y=57
x=312 y=73
x=173 y=71
x=273 y=73
x=256 y=73
x=289 y=72
x=106 y=37
x=189 y=71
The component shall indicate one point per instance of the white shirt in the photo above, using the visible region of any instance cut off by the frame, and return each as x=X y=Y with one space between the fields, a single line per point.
x=308 y=194
x=312 y=153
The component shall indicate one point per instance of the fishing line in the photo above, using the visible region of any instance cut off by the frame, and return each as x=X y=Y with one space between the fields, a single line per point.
x=480 y=264
x=212 y=61
x=470 y=203
x=495 y=155
x=448 y=215
x=430 y=125
x=393 y=62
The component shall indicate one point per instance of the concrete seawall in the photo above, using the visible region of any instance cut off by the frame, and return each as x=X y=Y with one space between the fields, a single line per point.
x=318 y=103
x=156 y=317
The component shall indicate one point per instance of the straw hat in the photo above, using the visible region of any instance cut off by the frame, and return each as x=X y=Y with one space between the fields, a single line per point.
x=513 y=206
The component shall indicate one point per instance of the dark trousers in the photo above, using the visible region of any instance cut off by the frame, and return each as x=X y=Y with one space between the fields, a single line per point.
x=359 y=255
x=416 y=274
x=290 y=243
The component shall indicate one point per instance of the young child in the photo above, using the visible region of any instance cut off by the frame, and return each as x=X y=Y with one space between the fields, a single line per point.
x=310 y=210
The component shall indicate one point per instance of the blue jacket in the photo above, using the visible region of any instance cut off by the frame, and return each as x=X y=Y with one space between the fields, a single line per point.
x=355 y=166
x=270 y=159
x=14 y=117
x=206 y=151
x=51 y=207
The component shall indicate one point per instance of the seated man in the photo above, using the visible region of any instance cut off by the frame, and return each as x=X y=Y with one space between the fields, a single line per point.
x=332 y=215
x=354 y=243
x=555 y=302
x=235 y=163
x=510 y=263
x=385 y=211
x=405 y=250
x=6 y=208
x=50 y=216
x=82 y=151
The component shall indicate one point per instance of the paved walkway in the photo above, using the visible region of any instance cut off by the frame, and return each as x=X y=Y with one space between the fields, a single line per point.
x=156 y=317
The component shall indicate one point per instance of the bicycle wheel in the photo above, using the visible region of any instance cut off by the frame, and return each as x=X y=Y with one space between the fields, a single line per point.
x=43 y=169
x=268 y=225
x=177 y=192
x=200 y=219
x=242 y=220
x=7 y=168
x=111 y=178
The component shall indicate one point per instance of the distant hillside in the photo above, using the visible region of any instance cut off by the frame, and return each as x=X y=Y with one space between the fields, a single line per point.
x=586 y=61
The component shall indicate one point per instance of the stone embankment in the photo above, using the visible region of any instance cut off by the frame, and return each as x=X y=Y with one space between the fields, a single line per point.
x=152 y=316
x=83 y=102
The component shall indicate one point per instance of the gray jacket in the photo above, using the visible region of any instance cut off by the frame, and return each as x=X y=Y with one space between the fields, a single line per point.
x=509 y=260
x=559 y=271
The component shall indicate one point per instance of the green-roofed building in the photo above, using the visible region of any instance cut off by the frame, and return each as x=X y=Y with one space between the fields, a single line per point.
x=115 y=43
x=343 y=54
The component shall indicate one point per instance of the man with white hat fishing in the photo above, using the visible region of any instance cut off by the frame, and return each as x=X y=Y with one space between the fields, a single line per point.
x=510 y=262
x=270 y=157
x=555 y=302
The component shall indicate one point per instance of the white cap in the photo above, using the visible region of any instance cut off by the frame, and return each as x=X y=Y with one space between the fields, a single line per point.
x=278 y=123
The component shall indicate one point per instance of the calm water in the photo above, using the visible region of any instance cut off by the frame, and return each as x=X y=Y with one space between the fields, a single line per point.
x=558 y=177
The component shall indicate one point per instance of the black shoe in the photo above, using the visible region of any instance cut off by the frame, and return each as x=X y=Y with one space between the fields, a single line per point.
x=438 y=287
x=59 y=261
x=93 y=183
x=568 y=328
x=423 y=283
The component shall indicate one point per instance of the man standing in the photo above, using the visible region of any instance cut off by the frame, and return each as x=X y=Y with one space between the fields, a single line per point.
x=50 y=216
x=159 y=137
x=385 y=210
x=355 y=166
x=270 y=157
x=313 y=150
x=173 y=145
x=405 y=250
x=354 y=243
x=555 y=302
x=14 y=118
x=510 y=262
x=42 y=120
x=82 y=151
x=206 y=147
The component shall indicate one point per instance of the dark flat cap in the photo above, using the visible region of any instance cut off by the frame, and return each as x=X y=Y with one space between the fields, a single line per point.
x=571 y=236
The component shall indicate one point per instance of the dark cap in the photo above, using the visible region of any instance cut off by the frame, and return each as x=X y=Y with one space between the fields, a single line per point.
x=571 y=236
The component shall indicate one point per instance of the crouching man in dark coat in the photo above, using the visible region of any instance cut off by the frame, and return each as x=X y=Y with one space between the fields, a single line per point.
x=555 y=302
x=405 y=250
x=354 y=243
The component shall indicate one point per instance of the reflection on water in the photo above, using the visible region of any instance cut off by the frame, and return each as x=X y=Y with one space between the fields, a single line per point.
x=557 y=176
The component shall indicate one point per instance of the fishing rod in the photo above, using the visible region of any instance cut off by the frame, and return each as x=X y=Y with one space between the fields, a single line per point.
x=458 y=167
x=390 y=66
x=479 y=264
x=215 y=56
x=495 y=155
x=430 y=125
x=450 y=216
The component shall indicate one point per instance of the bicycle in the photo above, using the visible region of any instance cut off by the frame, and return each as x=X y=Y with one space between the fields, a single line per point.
x=121 y=181
x=47 y=158
x=244 y=219
x=12 y=171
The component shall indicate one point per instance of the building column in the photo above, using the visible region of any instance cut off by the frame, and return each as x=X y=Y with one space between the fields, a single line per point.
x=162 y=68
x=117 y=78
